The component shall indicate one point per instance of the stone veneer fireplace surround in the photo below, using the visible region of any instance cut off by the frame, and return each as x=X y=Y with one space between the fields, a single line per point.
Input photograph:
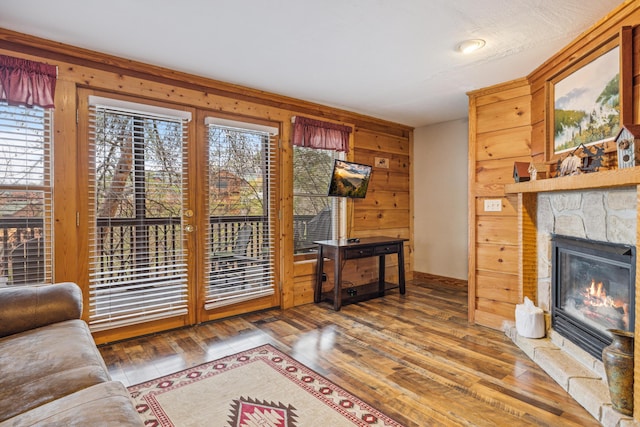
x=601 y=206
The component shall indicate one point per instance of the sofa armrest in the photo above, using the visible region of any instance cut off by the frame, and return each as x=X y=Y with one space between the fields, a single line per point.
x=29 y=307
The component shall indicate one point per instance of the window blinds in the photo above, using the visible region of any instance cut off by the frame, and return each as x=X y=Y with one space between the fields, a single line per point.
x=25 y=195
x=138 y=269
x=240 y=235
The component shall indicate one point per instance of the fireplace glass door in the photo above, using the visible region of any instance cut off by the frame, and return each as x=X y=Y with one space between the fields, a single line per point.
x=593 y=291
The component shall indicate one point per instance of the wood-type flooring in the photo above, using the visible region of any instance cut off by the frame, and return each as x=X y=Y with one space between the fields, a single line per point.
x=414 y=357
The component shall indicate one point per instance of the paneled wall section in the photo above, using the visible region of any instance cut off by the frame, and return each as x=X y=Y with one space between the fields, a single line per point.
x=499 y=126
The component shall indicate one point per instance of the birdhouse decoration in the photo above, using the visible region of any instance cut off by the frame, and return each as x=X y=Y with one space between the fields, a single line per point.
x=628 y=146
x=537 y=171
x=521 y=172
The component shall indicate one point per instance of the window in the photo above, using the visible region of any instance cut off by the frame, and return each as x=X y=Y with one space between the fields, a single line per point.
x=25 y=195
x=316 y=216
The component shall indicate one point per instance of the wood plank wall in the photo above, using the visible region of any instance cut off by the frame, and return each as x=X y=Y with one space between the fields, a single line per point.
x=499 y=134
x=385 y=211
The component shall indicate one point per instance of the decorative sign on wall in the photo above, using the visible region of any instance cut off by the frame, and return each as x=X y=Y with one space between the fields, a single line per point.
x=382 y=162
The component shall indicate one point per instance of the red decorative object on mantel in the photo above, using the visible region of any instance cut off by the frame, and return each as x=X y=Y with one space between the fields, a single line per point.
x=521 y=171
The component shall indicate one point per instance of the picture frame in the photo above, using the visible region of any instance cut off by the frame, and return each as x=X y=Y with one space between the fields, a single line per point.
x=585 y=100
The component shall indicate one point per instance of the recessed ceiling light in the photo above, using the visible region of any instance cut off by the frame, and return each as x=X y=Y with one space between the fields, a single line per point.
x=469 y=46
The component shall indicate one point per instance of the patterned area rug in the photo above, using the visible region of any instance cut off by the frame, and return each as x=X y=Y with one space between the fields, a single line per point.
x=261 y=387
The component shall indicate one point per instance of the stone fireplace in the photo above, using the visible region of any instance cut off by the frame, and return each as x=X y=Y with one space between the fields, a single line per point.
x=581 y=208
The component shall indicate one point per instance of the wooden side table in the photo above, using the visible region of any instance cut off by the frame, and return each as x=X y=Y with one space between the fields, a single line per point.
x=345 y=249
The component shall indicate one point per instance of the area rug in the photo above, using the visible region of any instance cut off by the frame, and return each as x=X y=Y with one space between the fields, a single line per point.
x=259 y=387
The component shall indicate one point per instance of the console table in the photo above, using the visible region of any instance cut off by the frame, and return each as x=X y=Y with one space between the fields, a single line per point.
x=345 y=249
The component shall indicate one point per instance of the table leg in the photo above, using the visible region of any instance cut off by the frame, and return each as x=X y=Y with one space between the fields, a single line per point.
x=381 y=270
x=401 y=269
x=317 y=290
x=337 y=282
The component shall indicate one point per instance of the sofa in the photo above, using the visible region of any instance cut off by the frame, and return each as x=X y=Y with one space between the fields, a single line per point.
x=51 y=372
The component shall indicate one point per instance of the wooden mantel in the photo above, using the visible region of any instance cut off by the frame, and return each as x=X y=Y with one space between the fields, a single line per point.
x=587 y=181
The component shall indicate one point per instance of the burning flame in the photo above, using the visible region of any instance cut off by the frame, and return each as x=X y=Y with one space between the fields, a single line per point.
x=595 y=296
x=596 y=291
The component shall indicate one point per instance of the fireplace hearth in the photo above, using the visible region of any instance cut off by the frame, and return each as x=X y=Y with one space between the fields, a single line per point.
x=593 y=289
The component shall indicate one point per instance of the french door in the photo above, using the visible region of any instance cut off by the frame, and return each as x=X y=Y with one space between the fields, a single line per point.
x=167 y=243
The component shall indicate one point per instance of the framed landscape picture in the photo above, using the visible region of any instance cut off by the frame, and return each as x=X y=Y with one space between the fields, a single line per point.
x=587 y=104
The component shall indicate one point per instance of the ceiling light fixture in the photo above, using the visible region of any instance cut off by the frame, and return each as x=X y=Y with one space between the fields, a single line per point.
x=469 y=46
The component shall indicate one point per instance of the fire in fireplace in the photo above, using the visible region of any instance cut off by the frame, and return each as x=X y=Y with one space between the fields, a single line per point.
x=593 y=290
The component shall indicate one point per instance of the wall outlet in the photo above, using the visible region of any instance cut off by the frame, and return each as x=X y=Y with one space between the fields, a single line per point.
x=493 y=205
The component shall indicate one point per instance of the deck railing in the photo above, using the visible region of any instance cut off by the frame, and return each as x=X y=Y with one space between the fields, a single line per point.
x=122 y=241
x=22 y=251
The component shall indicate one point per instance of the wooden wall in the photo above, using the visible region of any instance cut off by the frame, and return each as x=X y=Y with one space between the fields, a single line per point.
x=499 y=135
x=386 y=210
x=507 y=123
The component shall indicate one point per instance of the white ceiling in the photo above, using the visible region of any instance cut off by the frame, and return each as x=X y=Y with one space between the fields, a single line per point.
x=391 y=59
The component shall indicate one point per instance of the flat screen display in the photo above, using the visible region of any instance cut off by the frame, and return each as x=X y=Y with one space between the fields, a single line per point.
x=349 y=179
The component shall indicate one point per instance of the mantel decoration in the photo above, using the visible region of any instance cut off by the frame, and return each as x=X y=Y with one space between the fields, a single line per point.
x=628 y=146
x=575 y=164
x=521 y=172
x=537 y=171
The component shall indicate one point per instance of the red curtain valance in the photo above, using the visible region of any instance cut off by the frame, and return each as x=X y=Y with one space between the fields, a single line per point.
x=318 y=134
x=24 y=82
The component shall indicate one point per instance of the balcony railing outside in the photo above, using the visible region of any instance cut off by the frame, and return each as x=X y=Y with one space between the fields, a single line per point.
x=122 y=241
x=224 y=232
x=22 y=251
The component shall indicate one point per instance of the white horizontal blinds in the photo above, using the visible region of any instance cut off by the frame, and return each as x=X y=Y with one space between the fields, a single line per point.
x=25 y=195
x=315 y=215
x=240 y=237
x=138 y=269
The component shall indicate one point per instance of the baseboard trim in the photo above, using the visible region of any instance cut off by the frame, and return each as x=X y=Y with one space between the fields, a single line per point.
x=447 y=281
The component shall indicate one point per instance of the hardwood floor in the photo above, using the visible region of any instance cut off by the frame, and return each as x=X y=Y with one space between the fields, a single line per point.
x=414 y=357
